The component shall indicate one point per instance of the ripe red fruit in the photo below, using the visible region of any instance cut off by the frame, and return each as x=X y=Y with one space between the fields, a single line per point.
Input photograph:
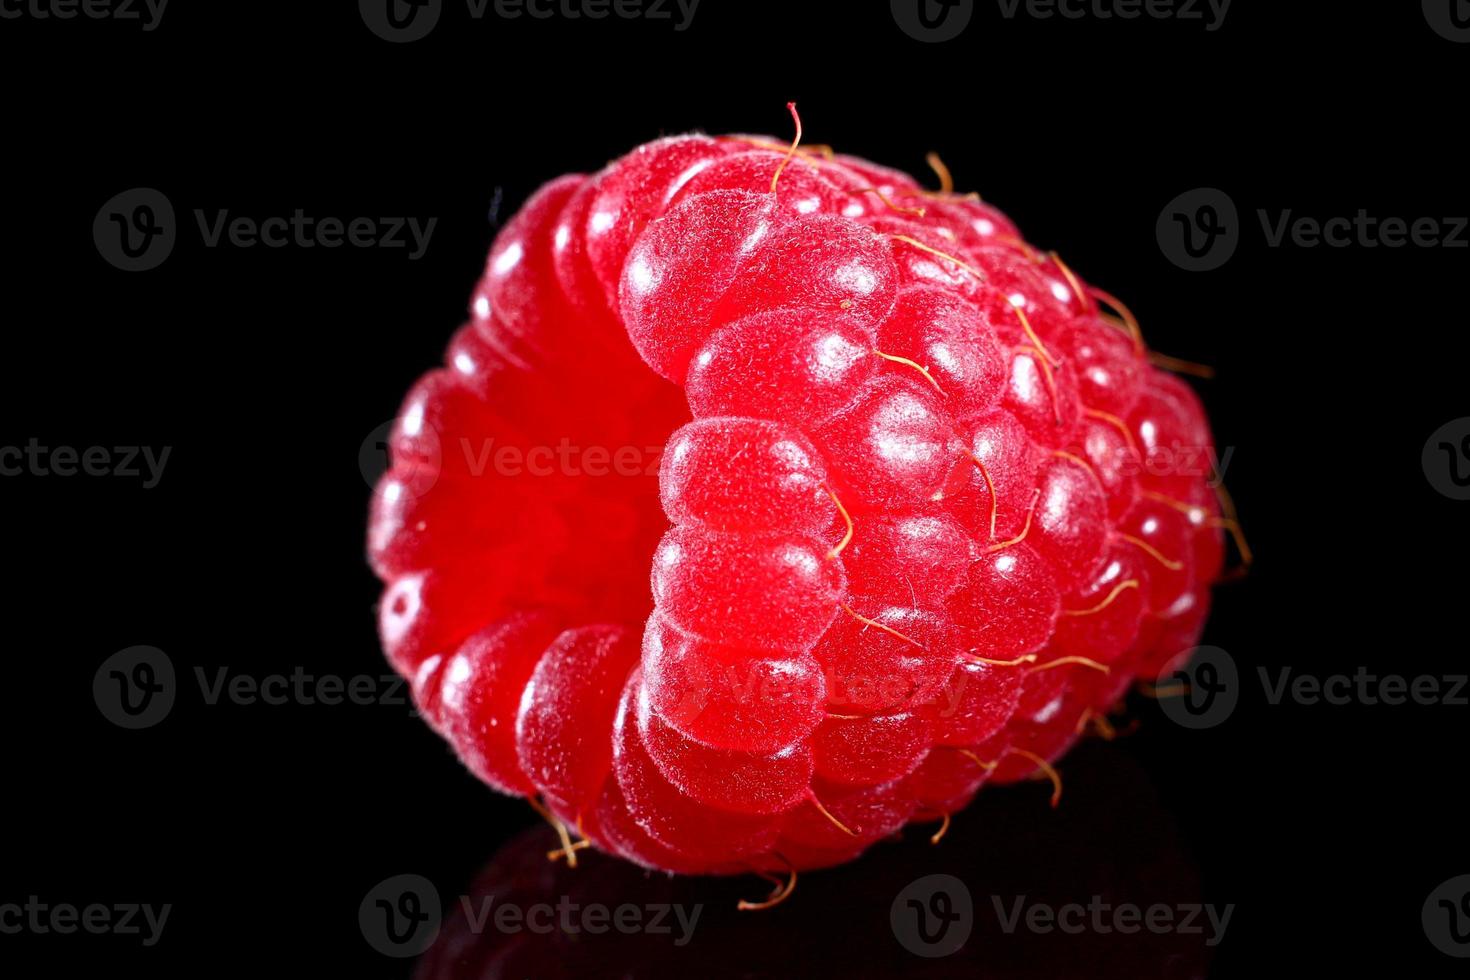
x=910 y=503
x=799 y=366
x=727 y=697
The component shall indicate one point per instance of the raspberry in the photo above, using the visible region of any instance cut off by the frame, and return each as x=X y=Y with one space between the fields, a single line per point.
x=920 y=514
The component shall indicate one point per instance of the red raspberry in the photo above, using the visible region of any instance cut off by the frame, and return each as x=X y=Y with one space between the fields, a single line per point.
x=919 y=517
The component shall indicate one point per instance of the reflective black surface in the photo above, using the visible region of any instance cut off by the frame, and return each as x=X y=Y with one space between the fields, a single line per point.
x=266 y=826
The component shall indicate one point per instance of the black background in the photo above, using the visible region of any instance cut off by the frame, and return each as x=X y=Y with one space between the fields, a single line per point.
x=265 y=369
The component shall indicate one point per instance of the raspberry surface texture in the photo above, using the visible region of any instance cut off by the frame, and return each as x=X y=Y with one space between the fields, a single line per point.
x=768 y=501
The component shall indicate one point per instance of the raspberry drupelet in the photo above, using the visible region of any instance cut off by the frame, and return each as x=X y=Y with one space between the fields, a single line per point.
x=907 y=534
